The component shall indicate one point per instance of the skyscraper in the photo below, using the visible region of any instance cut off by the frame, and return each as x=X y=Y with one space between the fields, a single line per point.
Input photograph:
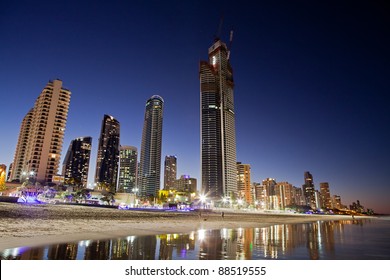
x=108 y=154
x=127 y=169
x=39 y=147
x=308 y=190
x=170 y=171
x=19 y=167
x=218 y=139
x=150 y=161
x=76 y=162
x=325 y=195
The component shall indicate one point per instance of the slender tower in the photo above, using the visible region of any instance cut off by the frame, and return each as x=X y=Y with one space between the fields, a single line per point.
x=39 y=148
x=108 y=154
x=76 y=162
x=150 y=160
x=170 y=171
x=309 y=190
x=128 y=169
x=218 y=139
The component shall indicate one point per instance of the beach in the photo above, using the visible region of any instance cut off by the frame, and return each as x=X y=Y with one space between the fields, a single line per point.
x=44 y=224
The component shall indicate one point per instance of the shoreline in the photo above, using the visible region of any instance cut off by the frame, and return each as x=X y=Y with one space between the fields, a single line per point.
x=24 y=225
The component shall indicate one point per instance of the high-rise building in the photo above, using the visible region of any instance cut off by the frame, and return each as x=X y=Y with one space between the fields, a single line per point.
x=108 y=154
x=271 y=199
x=218 y=139
x=19 y=167
x=76 y=162
x=284 y=191
x=38 y=152
x=170 y=171
x=128 y=164
x=309 y=190
x=244 y=182
x=150 y=160
x=325 y=195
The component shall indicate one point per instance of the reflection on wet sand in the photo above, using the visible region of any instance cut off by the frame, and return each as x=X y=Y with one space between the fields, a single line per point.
x=289 y=241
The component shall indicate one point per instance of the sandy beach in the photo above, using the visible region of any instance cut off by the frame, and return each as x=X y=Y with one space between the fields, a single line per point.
x=44 y=224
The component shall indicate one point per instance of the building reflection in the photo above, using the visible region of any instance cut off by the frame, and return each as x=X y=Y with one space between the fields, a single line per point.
x=315 y=240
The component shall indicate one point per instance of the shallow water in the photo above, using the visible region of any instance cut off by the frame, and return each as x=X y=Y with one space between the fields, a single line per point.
x=365 y=239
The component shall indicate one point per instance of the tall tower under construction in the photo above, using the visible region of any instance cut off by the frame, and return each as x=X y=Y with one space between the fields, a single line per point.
x=218 y=133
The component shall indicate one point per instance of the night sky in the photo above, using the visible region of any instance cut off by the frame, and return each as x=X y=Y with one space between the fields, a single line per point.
x=311 y=81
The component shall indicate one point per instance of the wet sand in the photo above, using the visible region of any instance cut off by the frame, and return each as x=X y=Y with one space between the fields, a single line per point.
x=44 y=224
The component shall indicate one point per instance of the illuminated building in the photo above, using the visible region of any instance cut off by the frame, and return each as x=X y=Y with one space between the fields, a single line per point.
x=308 y=190
x=325 y=195
x=76 y=162
x=185 y=184
x=336 y=202
x=271 y=199
x=108 y=154
x=218 y=139
x=170 y=171
x=127 y=169
x=38 y=152
x=285 y=194
x=150 y=160
x=244 y=182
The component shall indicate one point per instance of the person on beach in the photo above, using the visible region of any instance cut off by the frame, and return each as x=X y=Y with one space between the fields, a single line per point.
x=223 y=215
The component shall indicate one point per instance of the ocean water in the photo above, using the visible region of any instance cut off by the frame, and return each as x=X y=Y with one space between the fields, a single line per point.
x=360 y=239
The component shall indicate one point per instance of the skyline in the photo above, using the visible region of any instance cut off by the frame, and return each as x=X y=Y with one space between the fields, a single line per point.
x=310 y=82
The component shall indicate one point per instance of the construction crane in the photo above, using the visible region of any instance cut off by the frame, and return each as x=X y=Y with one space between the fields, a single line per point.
x=230 y=44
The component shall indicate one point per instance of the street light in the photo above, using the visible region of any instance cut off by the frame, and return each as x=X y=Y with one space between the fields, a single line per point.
x=202 y=198
x=135 y=191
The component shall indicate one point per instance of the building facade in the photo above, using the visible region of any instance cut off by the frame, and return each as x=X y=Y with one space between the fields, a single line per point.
x=150 y=159
x=244 y=187
x=309 y=190
x=76 y=162
x=170 y=172
x=128 y=166
x=185 y=184
x=325 y=196
x=218 y=139
x=38 y=152
x=108 y=154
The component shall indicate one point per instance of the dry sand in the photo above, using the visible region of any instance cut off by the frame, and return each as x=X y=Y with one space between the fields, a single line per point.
x=43 y=224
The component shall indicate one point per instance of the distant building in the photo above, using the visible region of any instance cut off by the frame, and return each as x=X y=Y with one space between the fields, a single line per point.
x=244 y=182
x=218 y=139
x=76 y=162
x=128 y=166
x=186 y=184
x=298 y=197
x=38 y=151
x=9 y=172
x=284 y=191
x=3 y=175
x=108 y=154
x=260 y=199
x=336 y=202
x=170 y=171
x=325 y=195
x=309 y=190
x=271 y=199
x=150 y=160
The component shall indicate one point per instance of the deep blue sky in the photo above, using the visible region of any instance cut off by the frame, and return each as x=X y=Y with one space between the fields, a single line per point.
x=311 y=94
